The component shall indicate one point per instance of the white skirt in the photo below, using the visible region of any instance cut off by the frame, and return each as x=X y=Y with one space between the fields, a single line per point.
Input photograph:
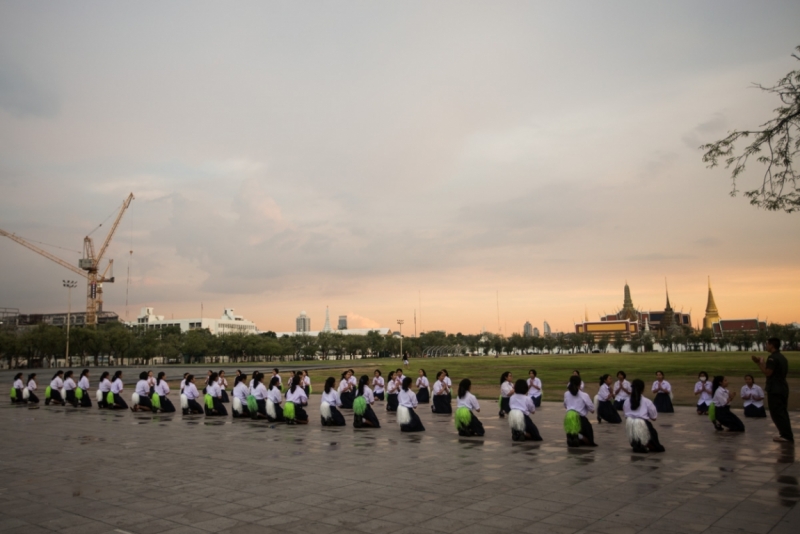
x=134 y=398
x=237 y=405
x=516 y=420
x=637 y=430
x=184 y=402
x=403 y=415
x=271 y=409
x=325 y=410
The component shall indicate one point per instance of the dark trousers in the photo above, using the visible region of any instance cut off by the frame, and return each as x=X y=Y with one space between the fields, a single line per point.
x=779 y=411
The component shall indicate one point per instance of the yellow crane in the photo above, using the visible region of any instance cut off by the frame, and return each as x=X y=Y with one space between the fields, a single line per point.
x=88 y=266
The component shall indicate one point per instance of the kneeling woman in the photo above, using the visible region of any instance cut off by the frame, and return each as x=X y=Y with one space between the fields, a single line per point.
x=364 y=415
x=391 y=393
x=114 y=398
x=522 y=407
x=423 y=387
x=720 y=410
x=578 y=405
x=753 y=397
x=663 y=391
x=69 y=389
x=141 y=395
x=32 y=398
x=16 y=390
x=213 y=398
x=506 y=390
x=605 y=400
x=407 y=401
x=240 y=395
x=53 y=391
x=467 y=423
x=377 y=385
x=189 y=404
x=103 y=389
x=441 y=395
x=329 y=407
x=83 y=390
x=296 y=398
x=639 y=412
x=274 y=399
x=159 y=398
x=346 y=394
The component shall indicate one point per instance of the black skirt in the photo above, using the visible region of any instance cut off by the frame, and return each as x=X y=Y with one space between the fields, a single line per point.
x=18 y=399
x=347 y=399
x=336 y=419
x=391 y=402
x=663 y=403
x=379 y=396
x=475 y=428
x=307 y=389
x=586 y=431
x=166 y=404
x=441 y=404
x=225 y=397
x=415 y=425
x=86 y=400
x=754 y=411
x=651 y=446
x=119 y=402
x=72 y=398
x=145 y=402
x=194 y=407
x=423 y=396
x=505 y=408
x=537 y=401
x=369 y=415
x=606 y=412
x=299 y=414
x=531 y=432
x=619 y=404
x=702 y=408
x=32 y=398
x=727 y=419
x=219 y=409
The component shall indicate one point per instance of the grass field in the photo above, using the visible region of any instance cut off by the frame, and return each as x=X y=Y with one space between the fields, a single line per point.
x=554 y=370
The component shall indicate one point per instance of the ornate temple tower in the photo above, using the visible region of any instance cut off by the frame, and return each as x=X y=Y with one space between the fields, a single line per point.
x=628 y=311
x=668 y=320
x=712 y=315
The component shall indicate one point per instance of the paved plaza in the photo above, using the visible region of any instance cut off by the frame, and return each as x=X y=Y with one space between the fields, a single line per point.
x=90 y=471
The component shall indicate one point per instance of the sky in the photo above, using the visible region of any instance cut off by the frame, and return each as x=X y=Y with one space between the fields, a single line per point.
x=476 y=165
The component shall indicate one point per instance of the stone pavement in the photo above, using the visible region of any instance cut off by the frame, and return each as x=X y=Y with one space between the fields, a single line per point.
x=88 y=471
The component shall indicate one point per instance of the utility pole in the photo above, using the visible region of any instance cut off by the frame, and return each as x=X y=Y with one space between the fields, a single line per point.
x=400 y=322
x=69 y=284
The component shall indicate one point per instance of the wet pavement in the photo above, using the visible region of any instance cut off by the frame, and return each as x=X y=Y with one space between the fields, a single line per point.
x=89 y=471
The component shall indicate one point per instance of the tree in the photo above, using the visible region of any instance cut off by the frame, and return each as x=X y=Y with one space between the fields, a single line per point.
x=619 y=342
x=603 y=342
x=776 y=144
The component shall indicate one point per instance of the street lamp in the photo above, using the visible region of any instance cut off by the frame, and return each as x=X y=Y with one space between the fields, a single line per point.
x=400 y=322
x=69 y=284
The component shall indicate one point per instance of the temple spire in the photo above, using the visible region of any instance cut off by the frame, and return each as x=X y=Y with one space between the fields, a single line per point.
x=712 y=314
x=628 y=310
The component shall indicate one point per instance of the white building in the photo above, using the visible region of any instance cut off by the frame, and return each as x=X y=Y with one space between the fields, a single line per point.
x=527 y=329
x=303 y=322
x=348 y=332
x=227 y=324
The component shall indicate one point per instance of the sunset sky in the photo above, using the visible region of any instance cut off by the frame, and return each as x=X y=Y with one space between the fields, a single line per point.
x=370 y=156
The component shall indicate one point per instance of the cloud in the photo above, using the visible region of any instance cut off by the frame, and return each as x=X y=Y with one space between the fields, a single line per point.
x=22 y=96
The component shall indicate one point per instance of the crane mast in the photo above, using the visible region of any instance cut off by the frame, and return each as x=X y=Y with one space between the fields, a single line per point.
x=88 y=266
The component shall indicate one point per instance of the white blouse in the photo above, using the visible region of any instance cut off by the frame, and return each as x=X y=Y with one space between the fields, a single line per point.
x=69 y=384
x=448 y=381
x=298 y=396
x=392 y=387
x=222 y=382
x=522 y=403
x=260 y=392
x=580 y=403
x=506 y=389
x=377 y=384
x=18 y=384
x=344 y=385
x=190 y=390
x=31 y=385
x=647 y=410
x=332 y=397
x=368 y=396
x=117 y=386
x=83 y=383
x=306 y=380
x=468 y=401
x=604 y=393
x=438 y=388
x=664 y=386
x=57 y=383
x=143 y=388
x=274 y=395
x=241 y=392
x=534 y=387
x=407 y=399
x=705 y=387
x=353 y=381
x=753 y=395
x=105 y=385
x=214 y=390
x=622 y=391
x=422 y=382
x=162 y=388
x=721 y=397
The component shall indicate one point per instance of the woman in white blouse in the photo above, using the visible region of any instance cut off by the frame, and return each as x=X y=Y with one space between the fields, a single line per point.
x=296 y=398
x=141 y=394
x=423 y=387
x=213 y=398
x=441 y=395
x=363 y=414
x=32 y=385
x=391 y=393
x=723 y=417
x=16 y=390
x=702 y=390
x=162 y=392
x=53 y=391
x=534 y=388
x=519 y=419
x=346 y=391
x=578 y=405
x=83 y=390
x=190 y=396
x=114 y=399
x=241 y=406
x=753 y=397
x=506 y=390
x=605 y=406
x=306 y=383
x=69 y=389
x=467 y=423
x=274 y=399
x=222 y=382
x=639 y=412
x=662 y=389
x=103 y=389
x=377 y=384
x=407 y=401
x=329 y=405
x=622 y=390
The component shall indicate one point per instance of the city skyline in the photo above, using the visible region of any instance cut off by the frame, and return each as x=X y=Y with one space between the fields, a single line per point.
x=441 y=159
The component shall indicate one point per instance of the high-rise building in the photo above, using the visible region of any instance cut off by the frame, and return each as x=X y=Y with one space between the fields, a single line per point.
x=303 y=323
x=342 y=322
x=546 y=329
x=327 y=327
x=527 y=329
x=535 y=332
x=712 y=314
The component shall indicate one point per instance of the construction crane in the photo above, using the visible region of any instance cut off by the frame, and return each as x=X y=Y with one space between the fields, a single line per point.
x=88 y=266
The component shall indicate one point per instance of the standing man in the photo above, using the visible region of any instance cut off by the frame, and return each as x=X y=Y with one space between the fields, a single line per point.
x=775 y=368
